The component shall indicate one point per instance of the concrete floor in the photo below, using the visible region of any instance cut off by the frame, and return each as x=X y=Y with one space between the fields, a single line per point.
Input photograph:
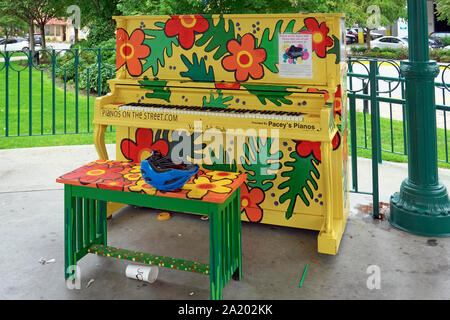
x=31 y=206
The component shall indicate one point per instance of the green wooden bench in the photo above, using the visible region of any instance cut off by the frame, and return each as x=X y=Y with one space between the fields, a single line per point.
x=212 y=193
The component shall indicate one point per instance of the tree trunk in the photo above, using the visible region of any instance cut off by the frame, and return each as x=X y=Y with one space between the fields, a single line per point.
x=31 y=35
x=42 y=32
x=368 y=39
x=75 y=35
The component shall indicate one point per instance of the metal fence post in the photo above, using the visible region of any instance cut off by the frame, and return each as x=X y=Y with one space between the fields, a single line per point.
x=374 y=119
x=7 y=94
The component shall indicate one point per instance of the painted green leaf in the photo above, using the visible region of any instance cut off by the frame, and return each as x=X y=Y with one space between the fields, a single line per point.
x=159 y=44
x=258 y=161
x=304 y=170
x=277 y=97
x=159 y=88
x=221 y=163
x=218 y=36
x=217 y=102
x=197 y=69
x=336 y=49
x=270 y=43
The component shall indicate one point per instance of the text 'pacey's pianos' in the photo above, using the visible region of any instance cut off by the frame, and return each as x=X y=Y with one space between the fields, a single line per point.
x=180 y=76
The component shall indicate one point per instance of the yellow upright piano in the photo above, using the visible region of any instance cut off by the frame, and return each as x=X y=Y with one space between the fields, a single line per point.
x=260 y=94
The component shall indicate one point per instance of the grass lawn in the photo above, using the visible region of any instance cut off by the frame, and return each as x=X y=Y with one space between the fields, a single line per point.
x=65 y=120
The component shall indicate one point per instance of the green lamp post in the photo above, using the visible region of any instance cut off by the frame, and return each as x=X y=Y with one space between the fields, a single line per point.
x=422 y=206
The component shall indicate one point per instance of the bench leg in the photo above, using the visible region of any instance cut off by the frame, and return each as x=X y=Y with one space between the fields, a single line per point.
x=215 y=256
x=69 y=230
x=85 y=224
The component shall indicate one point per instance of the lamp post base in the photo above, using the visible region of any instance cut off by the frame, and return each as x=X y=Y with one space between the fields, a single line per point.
x=421 y=210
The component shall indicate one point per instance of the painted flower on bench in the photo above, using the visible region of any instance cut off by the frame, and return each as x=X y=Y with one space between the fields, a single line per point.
x=142 y=187
x=94 y=173
x=203 y=186
x=219 y=175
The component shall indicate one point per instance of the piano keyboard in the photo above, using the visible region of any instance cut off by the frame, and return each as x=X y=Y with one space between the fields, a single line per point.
x=218 y=112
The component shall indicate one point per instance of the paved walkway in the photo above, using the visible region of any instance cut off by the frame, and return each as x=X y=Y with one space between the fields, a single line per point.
x=31 y=207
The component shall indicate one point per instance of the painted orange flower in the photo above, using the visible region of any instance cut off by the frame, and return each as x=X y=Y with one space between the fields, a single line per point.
x=186 y=27
x=245 y=59
x=250 y=200
x=130 y=49
x=320 y=38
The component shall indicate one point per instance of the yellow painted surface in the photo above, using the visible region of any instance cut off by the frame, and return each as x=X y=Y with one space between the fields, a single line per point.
x=303 y=181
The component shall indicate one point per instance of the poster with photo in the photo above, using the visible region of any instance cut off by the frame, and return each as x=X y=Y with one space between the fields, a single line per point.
x=295 y=55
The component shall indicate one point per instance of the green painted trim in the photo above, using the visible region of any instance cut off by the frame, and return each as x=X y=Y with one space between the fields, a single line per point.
x=147 y=258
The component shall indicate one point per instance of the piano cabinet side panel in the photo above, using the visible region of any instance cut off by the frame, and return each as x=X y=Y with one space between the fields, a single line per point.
x=284 y=189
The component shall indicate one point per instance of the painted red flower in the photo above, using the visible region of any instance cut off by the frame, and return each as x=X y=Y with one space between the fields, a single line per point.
x=305 y=148
x=250 y=200
x=227 y=85
x=94 y=174
x=338 y=101
x=245 y=59
x=320 y=38
x=130 y=49
x=186 y=27
x=143 y=147
x=314 y=90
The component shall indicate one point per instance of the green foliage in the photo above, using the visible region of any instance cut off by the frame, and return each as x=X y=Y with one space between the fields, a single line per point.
x=197 y=69
x=219 y=102
x=218 y=37
x=443 y=10
x=277 y=96
x=446 y=41
x=301 y=177
x=258 y=161
x=439 y=55
x=159 y=44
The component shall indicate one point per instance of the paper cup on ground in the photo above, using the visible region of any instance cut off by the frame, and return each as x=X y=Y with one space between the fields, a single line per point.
x=143 y=273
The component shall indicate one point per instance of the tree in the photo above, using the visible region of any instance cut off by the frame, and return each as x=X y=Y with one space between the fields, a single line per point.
x=97 y=16
x=24 y=10
x=11 y=25
x=377 y=13
x=443 y=10
x=47 y=10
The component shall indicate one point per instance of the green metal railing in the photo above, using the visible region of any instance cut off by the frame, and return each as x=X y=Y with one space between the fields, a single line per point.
x=51 y=92
x=376 y=97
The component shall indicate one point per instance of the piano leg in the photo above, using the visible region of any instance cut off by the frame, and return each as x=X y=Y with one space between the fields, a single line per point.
x=328 y=240
x=99 y=141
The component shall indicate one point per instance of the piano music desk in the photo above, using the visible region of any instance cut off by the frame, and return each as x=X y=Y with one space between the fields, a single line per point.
x=212 y=193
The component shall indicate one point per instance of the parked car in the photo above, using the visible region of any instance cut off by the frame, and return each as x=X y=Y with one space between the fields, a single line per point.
x=16 y=44
x=433 y=43
x=37 y=39
x=440 y=34
x=351 y=38
x=355 y=33
x=389 y=42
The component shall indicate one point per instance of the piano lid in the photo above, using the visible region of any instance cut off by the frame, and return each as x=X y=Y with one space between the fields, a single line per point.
x=261 y=50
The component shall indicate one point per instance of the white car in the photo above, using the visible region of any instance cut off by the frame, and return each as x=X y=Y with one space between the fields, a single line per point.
x=389 y=42
x=16 y=44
